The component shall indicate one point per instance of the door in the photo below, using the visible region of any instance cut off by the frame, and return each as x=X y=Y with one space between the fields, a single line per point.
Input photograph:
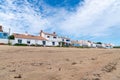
x=53 y=43
x=44 y=43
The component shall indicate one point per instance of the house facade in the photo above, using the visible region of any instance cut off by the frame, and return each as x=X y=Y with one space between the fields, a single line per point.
x=28 y=39
x=53 y=39
x=3 y=36
x=75 y=43
x=66 y=41
x=48 y=39
x=44 y=39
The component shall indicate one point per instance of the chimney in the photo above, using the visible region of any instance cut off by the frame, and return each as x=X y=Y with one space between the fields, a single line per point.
x=1 y=30
x=54 y=32
x=26 y=33
x=41 y=31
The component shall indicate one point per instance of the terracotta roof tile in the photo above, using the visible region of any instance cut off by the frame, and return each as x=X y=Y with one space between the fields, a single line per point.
x=24 y=36
x=49 y=34
x=65 y=38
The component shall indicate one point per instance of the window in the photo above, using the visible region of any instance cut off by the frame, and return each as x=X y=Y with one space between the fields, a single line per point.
x=63 y=40
x=48 y=36
x=53 y=43
x=1 y=36
x=4 y=34
x=54 y=37
x=67 y=40
x=28 y=42
x=44 y=42
x=19 y=41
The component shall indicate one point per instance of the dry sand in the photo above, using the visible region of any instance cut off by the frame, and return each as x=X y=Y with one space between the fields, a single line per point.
x=45 y=63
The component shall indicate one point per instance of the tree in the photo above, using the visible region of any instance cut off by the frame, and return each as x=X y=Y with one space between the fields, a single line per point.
x=98 y=42
x=11 y=37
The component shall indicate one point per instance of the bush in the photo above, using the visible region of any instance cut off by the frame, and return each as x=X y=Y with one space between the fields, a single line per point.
x=80 y=47
x=98 y=42
x=116 y=47
x=11 y=37
x=36 y=45
x=20 y=45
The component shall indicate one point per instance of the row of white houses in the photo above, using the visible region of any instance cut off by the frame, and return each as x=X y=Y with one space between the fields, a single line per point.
x=90 y=44
x=47 y=39
x=43 y=39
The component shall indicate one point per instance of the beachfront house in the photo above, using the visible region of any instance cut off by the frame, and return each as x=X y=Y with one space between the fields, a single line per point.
x=3 y=36
x=84 y=43
x=75 y=43
x=66 y=41
x=28 y=39
x=53 y=38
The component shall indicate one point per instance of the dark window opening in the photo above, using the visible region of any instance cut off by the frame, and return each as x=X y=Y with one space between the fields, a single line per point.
x=4 y=34
x=48 y=36
x=44 y=42
x=54 y=37
x=67 y=40
x=19 y=41
x=53 y=43
x=28 y=42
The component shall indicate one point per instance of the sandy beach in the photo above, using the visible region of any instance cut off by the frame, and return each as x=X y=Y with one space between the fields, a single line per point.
x=54 y=63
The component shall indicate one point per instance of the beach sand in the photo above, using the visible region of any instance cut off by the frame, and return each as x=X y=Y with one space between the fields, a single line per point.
x=54 y=63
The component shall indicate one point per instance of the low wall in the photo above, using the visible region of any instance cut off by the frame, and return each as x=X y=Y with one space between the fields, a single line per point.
x=3 y=41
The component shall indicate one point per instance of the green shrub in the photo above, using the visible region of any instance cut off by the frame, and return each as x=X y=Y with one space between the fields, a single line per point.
x=11 y=37
x=98 y=42
x=116 y=47
x=36 y=45
x=80 y=47
x=20 y=44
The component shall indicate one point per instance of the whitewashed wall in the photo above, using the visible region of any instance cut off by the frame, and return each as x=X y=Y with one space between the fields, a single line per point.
x=51 y=39
x=39 y=42
x=49 y=43
x=24 y=41
x=5 y=41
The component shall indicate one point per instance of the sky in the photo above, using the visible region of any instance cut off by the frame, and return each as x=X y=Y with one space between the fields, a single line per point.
x=95 y=20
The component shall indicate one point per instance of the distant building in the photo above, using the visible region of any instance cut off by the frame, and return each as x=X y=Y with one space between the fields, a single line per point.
x=85 y=43
x=66 y=41
x=3 y=36
x=75 y=43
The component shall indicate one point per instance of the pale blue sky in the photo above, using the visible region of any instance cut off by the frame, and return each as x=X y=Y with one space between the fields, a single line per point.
x=95 y=20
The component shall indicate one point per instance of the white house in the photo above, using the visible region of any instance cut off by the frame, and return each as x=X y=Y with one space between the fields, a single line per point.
x=53 y=39
x=75 y=43
x=3 y=36
x=28 y=39
x=85 y=43
x=66 y=41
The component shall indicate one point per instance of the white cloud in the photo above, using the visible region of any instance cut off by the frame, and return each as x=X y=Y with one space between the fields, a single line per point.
x=94 y=18
x=21 y=18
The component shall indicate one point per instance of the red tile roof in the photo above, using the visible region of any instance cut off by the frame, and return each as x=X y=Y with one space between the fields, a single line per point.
x=65 y=38
x=49 y=34
x=25 y=36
